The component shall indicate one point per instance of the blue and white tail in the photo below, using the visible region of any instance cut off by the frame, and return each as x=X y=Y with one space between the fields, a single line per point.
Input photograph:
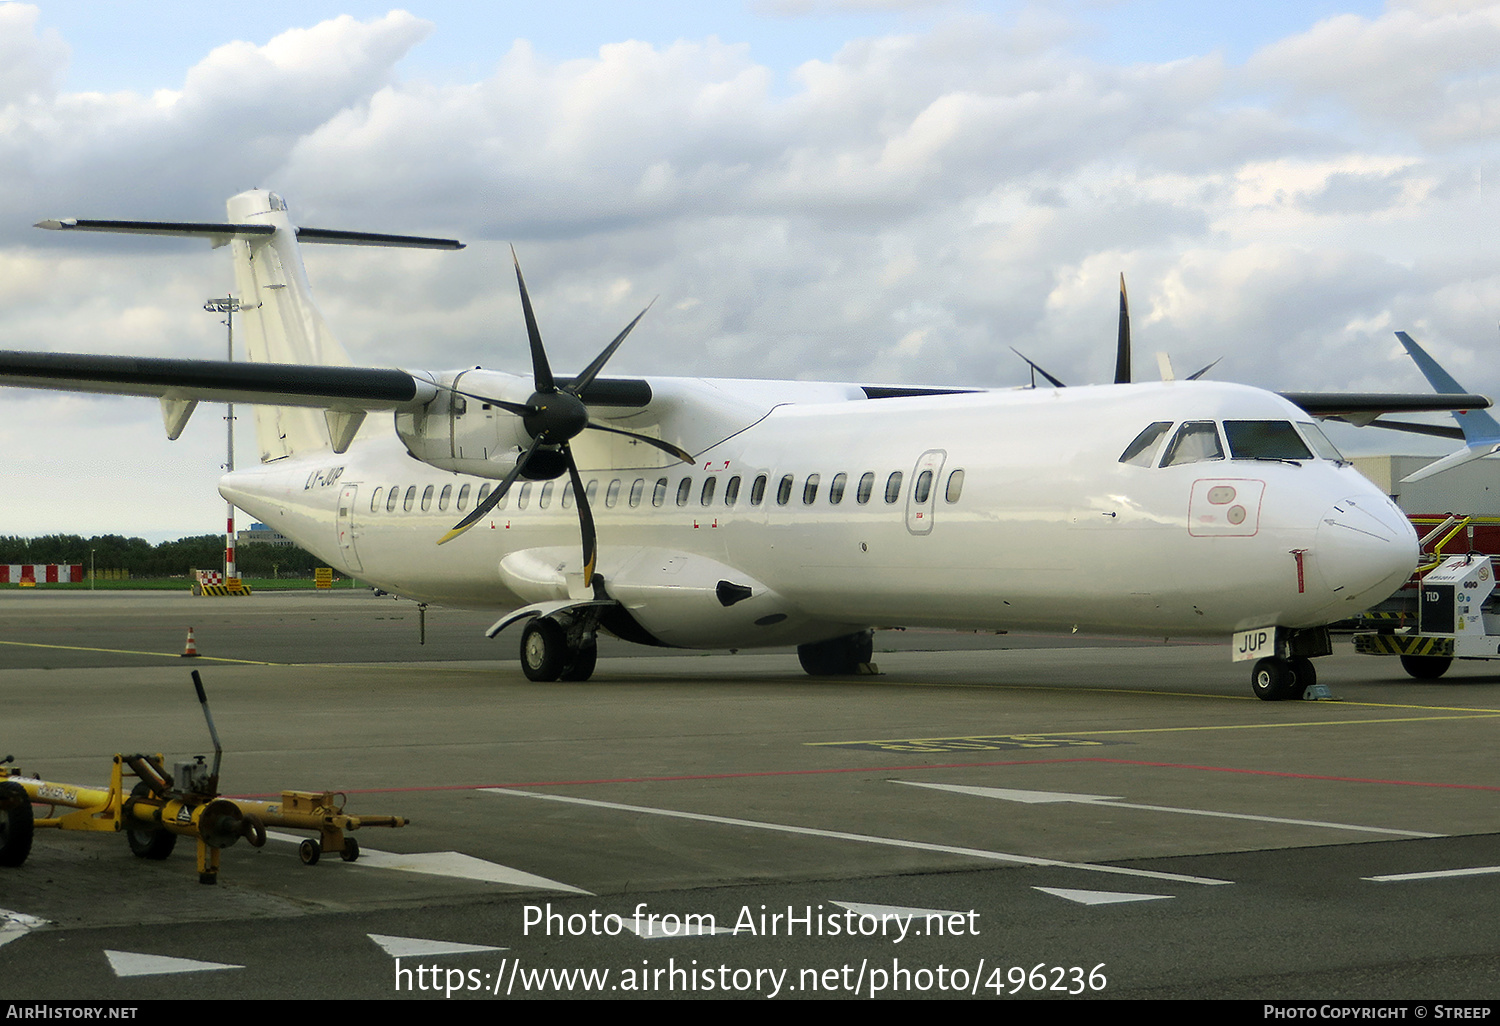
x=1481 y=432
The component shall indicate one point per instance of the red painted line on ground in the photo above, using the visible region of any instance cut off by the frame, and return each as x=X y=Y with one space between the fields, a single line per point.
x=910 y=768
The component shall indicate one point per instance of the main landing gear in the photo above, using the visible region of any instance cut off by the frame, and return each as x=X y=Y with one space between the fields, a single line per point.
x=839 y=657
x=551 y=650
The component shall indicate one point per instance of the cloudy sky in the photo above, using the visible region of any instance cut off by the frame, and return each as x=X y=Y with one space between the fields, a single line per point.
x=875 y=190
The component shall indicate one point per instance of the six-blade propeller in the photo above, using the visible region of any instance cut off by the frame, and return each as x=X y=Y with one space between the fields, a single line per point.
x=552 y=417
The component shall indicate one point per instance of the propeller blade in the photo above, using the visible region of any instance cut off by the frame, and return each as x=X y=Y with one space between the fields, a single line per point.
x=666 y=447
x=1122 y=346
x=539 y=366
x=1038 y=369
x=493 y=499
x=585 y=520
x=1199 y=373
x=590 y=372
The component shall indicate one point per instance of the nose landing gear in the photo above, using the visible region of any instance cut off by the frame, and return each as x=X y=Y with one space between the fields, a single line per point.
x=1275 y=679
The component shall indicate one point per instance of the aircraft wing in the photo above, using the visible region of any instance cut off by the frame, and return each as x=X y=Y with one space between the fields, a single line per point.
x=346 y=389
x=1361 y=408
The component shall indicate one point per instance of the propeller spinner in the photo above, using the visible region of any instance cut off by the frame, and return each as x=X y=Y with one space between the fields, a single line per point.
x=553 y=416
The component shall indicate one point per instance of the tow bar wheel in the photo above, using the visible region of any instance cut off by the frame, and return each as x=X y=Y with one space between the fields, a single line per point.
x=16 y=824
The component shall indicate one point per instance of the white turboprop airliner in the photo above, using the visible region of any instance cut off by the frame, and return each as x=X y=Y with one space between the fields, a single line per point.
x=737 y=514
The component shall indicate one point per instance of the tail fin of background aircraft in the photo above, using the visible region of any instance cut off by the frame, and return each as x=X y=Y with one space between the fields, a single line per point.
x=278 y=321
x=1481 y=432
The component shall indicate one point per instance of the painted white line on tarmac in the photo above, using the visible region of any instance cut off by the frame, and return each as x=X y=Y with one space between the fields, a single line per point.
x=410 y=947
x=447 y=863
x=1046 y=797
x=839 y=835
x=1434 y=875
x=1100 y=897
x=136 y=963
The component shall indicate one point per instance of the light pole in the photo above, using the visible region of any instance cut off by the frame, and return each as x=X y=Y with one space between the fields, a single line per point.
x=227 y=305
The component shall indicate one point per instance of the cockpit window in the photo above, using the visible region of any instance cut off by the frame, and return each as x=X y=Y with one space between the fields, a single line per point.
x=1196 y=440
x=1140 y=451
x=1265 y=440
x=1320 y=443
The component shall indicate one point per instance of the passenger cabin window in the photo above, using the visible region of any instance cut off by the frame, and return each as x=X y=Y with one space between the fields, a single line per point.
x=684 y=489
x=784 y=491
x=758 y=490
x=893 y=487
x=732 y=490
x=375 y=499
x=445 y=496
x=923 y=487
x=567 y=499
x=810 y=490
x=612 y=493
x=866 y=487
x=707 y=496
x=484 y=492
x=545 y=499
x=463 y=498
x=427 y=498
x=1265 y=440
x=636 y=491
x=410 y=500
x=1195 y=441
x=659 y=492
x=523 y=498
x=1139 y=453
x=955 y=486
x=836 y=488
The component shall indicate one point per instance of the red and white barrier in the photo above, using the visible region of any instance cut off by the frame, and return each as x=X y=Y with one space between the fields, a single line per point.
x=41 y=573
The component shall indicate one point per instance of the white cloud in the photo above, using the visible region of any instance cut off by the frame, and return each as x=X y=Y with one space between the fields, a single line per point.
x=902 y=208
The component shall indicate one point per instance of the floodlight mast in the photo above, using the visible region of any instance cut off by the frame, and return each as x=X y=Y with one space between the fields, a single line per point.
x=227 y=305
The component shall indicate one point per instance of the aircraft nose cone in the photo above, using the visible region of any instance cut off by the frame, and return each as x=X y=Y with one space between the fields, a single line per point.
x=1365 y=549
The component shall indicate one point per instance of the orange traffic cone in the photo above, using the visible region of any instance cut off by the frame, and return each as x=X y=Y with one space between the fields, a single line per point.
x=191 y=648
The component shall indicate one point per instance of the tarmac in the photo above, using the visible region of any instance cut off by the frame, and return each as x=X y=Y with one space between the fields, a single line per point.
x=991 y=816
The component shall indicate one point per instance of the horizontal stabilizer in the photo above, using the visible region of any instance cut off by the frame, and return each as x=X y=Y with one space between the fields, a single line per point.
x=337 y=237
x=1456 y=459
x=219 y=234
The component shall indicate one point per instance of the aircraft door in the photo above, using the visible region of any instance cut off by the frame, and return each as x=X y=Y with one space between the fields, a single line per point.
x=345 y=525
x=921 y=500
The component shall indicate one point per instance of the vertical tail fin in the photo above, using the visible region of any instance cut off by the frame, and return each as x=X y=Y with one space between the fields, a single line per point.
x=1481 y=432
x=279 y=322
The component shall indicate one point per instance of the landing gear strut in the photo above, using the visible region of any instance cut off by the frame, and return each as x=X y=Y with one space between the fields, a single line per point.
x=553 y=651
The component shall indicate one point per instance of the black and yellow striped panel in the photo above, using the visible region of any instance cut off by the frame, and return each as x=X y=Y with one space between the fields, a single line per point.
x=1403 y=644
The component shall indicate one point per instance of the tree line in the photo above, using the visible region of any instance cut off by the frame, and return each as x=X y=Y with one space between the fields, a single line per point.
x=140 y=558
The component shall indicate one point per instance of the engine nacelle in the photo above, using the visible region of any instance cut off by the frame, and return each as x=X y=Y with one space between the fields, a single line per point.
x=467 y=435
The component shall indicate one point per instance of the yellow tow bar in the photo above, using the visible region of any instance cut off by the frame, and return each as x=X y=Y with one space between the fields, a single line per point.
x=163 y=806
